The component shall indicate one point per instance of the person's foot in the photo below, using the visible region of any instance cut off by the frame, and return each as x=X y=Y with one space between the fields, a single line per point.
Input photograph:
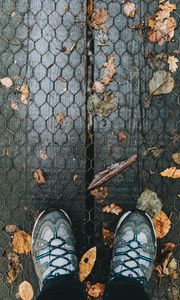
x=53 y=246
x=134 y=249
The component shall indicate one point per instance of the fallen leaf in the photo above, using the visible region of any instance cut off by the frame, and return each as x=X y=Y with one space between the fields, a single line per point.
x=98 y=18
x=98 y=87
x=173 y=292
x=93 y=105
x=173 y=63
x=130 y=9
x=111 y=171
x=176 y=157
x=95 y=290
x=108 y=237
x=21 y=242
x=168 y=247
x=75 y=177
x=14 y=105
x=12 y=14
x=62 y=79
x=24 y=90
x=100 y=193
x=86 y=263
x=162 y=26
x=109 y=105
x=6 y=81
x=110 y=70
x=121 y=136
x=25 y=291
x=90 y=6
x=162 y=224
x=11 y=228
x=60 y=118
x=161 y=83
x=113 y=208
x=149 y=202
x=39 y=177
x=171 y=173
x=14 y=267
x=155 y=151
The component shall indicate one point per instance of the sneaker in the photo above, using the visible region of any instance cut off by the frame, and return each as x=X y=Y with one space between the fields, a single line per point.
x=53 y=246
x=134 y=249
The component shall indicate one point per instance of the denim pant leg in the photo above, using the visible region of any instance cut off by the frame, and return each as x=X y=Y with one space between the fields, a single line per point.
x=125 y=288
x=63 y=287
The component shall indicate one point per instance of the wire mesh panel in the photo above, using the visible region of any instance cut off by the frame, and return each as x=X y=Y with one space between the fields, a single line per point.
x=51 y=49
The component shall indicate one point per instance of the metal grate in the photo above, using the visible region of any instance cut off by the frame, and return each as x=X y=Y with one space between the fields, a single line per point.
x=42 y=43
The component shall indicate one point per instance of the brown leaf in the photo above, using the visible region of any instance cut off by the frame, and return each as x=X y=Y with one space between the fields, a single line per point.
x=162 y=224
x=25 y=291
x=100 y=193
x=162 y=25
x=110 y=70
x=176 y=157
x=161 y=83
x=111 y=171
x=90 y=6
x=113 y=208
x=121 y=136
x=14 y=267
x=168 y=247
x=109 y=104
x=130 y=9
x=98 y=18
x=98 y=87
x=108 y=237
x=86 y=263
x=60 y=118
x=173 y=63
x=11 y=228
x=171 y=173
x=96 y=290
x=39 y=177
x=173 y=292
x=6 y=81
x=149 y=202
x=21 y=242
x=24 y=90
x=14 y=105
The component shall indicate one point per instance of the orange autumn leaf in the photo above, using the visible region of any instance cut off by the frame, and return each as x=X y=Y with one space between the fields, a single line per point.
x=100 y=193
x=172 y=172
x=86 y=263
x=14 y=266
x=168 y=247
x=98 y=18
x=113 y=208
x=96 y=290
x=25 y=291
x=39 y=176
x=110 y=70
x=162 y=224
x=21 y=242
x=108 y=237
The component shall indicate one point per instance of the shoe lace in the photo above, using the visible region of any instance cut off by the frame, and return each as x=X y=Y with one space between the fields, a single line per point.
x=130 y=258
x=65 y=252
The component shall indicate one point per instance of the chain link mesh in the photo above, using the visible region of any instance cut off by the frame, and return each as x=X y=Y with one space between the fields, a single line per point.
x=48 y=46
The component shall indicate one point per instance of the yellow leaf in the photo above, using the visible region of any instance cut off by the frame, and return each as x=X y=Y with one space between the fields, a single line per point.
x=171 y=173
x=86 y=263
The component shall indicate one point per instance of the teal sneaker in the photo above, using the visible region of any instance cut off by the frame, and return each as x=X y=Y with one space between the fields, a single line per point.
x=135 y=246
x=53 y=246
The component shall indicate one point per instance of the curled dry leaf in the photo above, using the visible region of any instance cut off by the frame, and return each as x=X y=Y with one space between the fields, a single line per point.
x=98 y=87
x=173 y=63
x=25 y=291
x=6 y=81
x=121 y=136
x=110 y=70
x=11 y=228
x=113 y=208
x=162 y=224
x=130 y=9
x=155 y=151
x=171 y=173
x=39 y=177
x=149 y=202
x=98 y=18
x=161 y=27
x=108 y=237
x=100 y=193
x=95 y=290
x=24 y=90
x=60 y=118
x=21 y=242
x=176 y=157
x=14 y=105
x=14 y=267
x=161 y=83
x=86 y=263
